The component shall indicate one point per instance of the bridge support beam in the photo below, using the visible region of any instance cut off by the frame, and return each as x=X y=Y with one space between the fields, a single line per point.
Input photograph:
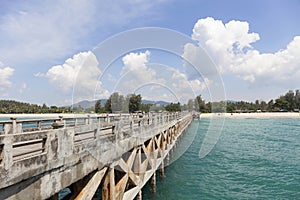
x=90 y=189
x=139 y=195
x=162 y=170
x=153 y=183
x=167 y=159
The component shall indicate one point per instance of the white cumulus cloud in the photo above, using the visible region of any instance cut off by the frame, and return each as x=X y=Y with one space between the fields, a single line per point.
x=136 y=64
x=186 y=88
x=154 y=80
x=81 y=73
x=230 y=46
x=5 y=74
x=135 y=72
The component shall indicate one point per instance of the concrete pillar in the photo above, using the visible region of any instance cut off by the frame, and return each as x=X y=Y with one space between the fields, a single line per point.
x=167 y=160
x=107 y=118
x=108 y=188
x=171 y=153
x=88 y=120
x=7 y=128
x=14 y=125
x=39 y=125
x=162 y=169
x=139 y=195
x=153 y=183
x=7 y=153
x=105 y=191
x=112 y=184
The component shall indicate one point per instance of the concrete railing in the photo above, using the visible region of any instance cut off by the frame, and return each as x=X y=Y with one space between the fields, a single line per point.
x=32 y=147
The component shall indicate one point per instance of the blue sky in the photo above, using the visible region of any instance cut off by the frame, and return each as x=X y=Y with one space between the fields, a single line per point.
x=43 y=45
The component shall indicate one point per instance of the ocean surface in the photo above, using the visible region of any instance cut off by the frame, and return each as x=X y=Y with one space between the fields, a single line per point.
x=253 y=159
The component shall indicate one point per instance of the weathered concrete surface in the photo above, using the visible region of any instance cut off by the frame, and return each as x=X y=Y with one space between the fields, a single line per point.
x=66 y=155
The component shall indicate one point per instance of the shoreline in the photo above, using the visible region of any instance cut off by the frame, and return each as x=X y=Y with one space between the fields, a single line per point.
x=45 y=115
x=251 y=115
x=203 y=115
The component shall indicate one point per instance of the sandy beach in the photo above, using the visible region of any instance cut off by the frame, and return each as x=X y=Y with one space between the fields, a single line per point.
x=252 y=115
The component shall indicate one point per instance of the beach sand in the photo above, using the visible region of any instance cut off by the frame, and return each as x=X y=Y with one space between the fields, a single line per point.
x=253 y=115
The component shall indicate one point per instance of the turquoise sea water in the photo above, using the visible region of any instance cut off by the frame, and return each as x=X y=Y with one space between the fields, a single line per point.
x=254 y=159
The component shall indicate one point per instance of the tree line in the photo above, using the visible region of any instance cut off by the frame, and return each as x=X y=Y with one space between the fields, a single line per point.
x=13 y=107
x=117 y=103
x=289 y=102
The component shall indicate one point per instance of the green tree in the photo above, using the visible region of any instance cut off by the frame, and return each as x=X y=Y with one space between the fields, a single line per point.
x=145 y=107
x=297 y=99
x=98 y=108
x=200 y=104
x=134 y=102
x=263 y=105
x=290 y=98
x=173 y=107
x=281 y=103
x=107 y=105
x=230 y=107
x=117 y=102
x=257 y=105
x=270 y=105
x=45 y=109
x=191 y=105
x=218 y=106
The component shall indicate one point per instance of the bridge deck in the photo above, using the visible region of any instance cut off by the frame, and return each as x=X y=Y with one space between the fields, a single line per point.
x=47 y=155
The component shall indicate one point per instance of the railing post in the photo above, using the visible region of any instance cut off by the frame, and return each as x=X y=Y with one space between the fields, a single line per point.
x=7 y=129
x=63 y=120
x=14 y=125
x=87 y=120
x=99 y=120
x=39 y=125
x=141 y=125
x=131 y=125
x=7 y=152
x=107 y=119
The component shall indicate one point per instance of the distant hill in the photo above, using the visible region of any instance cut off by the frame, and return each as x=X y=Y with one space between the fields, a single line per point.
x=162 y=103
x=88 y=104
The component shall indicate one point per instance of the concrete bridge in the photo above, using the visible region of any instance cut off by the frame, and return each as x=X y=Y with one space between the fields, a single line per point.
x=116 y=154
